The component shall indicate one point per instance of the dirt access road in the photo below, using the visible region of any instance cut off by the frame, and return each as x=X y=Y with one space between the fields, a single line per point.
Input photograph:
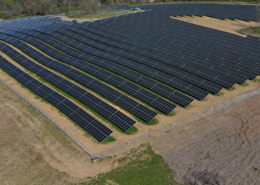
x=221 y=148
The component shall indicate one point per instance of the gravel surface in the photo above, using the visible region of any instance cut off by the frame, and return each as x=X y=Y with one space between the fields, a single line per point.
x=221 y=148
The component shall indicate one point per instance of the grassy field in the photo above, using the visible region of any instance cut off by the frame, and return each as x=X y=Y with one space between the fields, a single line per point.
x=252 y=30
x=99 y=15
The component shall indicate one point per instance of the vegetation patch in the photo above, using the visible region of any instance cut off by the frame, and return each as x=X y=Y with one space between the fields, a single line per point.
x=173 y=113
x=252 y=30
x=219 y=94
x=256 y=80
x=109 y=139
x=131 y=131
x=154 y=121
x=139 y=166
x=98 y=15
x=231 y=89
x=244 y=84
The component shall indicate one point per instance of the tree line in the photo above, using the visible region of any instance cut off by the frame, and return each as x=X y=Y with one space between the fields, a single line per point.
x=11 y=8
x=18 y=8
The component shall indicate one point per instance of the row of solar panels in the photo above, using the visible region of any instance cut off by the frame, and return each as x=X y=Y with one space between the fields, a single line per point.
x=161 y=65
x=221 y=11
x=93 y=102
x=221 y=80
x=240 y=80
x=229 y=64
x=142 y=94
x=155 y=74
x=126 y=73
x=31 y=22
x=213 y=88
x=85 y=37
x=78 y=115
x=116 y=97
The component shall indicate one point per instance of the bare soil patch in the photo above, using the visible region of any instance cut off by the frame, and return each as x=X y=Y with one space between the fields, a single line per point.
x=229 y=26
x=220 y=148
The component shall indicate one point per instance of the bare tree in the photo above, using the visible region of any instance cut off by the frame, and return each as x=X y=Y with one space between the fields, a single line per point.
x=17 y=9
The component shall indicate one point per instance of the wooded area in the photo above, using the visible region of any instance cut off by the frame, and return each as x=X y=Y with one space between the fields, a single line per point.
x=21 y=8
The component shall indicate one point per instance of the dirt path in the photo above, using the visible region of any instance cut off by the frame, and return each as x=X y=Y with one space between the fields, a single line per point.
x=221 y=148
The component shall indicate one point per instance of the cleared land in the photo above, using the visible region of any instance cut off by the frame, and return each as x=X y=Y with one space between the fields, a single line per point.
x=229 y=26
x=221 y=148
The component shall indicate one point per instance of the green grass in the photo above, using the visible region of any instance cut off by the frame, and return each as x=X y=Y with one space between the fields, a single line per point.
x=231 y=89
x=154 y=121
x=18 y=16
x=239 y=31
x=252 y=30
x=205 y=99
x=109 y=139
x=244 y=84
x=219 y=94
x=98 y=15
x=188 y=107
x=173 y=113
x=141 y=166
x=256 y=80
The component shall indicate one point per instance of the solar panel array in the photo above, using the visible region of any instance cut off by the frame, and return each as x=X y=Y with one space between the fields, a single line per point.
x=127 y=103
x=134 y=60
x=87 y=122
x=220 y=11
x=104 y=109
x=124 y=72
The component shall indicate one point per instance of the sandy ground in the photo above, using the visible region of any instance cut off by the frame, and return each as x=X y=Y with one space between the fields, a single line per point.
x=229 y=26
x=218 y=149
x=34 y=150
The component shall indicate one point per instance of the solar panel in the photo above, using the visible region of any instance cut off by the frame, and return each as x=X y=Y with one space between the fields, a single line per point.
x=88 y=82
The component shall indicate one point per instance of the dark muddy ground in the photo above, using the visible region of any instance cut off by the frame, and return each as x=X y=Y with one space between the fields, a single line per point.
x=221 y=148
